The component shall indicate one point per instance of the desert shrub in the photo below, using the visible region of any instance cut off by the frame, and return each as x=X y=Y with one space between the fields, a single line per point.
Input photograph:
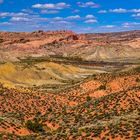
x=73 y=130
x=102 y=87
x=34 y=126
x=138 y=111
x=88 y=98
x=50 y=109
x=1 y=40
x=78 y=118
x=137 y=80
x=137 y=69
x=22 y=40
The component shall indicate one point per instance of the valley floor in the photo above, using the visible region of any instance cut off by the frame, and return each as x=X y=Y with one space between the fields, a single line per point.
x=80 y=103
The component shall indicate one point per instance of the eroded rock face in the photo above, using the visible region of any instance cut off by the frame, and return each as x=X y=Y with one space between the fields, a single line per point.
x=72 y=38
x=86 y=46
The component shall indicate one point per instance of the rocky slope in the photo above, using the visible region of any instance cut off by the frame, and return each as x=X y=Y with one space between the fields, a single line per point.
x=103 y=106
x=66 y=86
x=101 y=47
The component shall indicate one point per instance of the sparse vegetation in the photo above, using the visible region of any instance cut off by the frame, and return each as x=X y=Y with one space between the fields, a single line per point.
x=70 y=113
x=34 y=126
x=137 y=80
x=102 y=87
x=88 y=98
x=64 y=96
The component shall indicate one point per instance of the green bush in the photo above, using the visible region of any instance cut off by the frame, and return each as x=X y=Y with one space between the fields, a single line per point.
x=1 y=40
x=34 y=126
x=137 y=80
x=88 y=98
x=102 y=87
x=137 y=69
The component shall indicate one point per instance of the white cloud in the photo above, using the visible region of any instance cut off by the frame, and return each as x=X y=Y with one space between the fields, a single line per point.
x=29 y=19
x=89 y=4
x=91 y=21
x=5 y=23
x=90 y=16
x=102 y=11
x=4 y=14
x=49 y=11
x=64 y=22
x=7 y=14
x=119 y=10
x=19 y=14
x=19 y=19
x=130 y=24
x=58 y=18
x=73 y=17
x=126 y=25
x=29 y=11
x=135 y=10
x=60 y=22
x=57 y=6
x=136 y=15
x=108 y=26
x=39 y=19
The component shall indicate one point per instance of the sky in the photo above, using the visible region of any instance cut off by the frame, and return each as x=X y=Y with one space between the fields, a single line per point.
x=81 y=16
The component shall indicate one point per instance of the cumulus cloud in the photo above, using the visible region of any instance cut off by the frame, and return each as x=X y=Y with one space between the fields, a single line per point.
x=90 y=16
x=126 y=25
x=28 y=19
x=73 y=17
x=19 y=19
x=8 y=14
x=135 y=10
x=57 y=18
x=108 y=26
x=29 y=11
x=69 y=18
x=120 y=10
x=89 y=4
x=130 y=24
x=102 y=11
x=51 y=8
x=57 y=6
x=91 y=21
x=5 y=23
x=60 y=22
x=49 y=11
x=4 y=14
x=136 y=15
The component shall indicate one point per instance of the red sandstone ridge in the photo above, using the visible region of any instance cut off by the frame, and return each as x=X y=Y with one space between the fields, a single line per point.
x=24 y=37
x=86 y=46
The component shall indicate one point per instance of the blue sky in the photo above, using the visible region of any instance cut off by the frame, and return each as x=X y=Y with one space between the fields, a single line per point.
x=78 y=15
